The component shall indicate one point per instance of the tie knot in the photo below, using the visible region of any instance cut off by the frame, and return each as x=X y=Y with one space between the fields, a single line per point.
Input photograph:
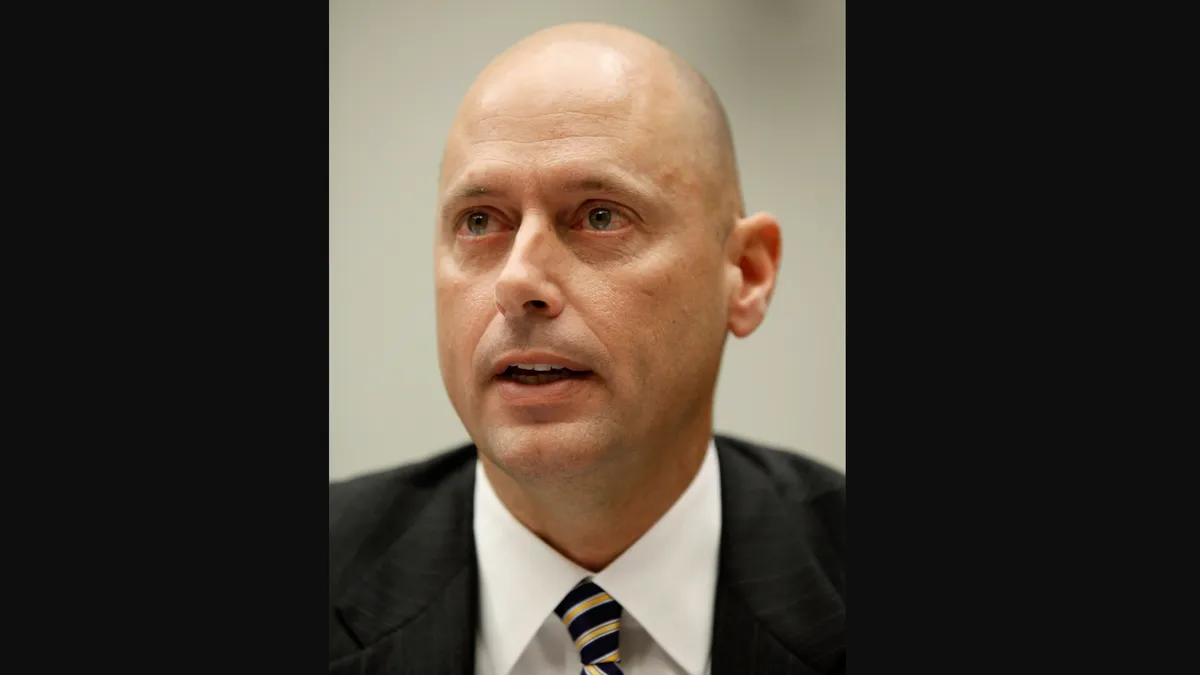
x=593 y=618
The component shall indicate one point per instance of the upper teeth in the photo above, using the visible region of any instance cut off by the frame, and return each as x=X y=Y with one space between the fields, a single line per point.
x=536 y=366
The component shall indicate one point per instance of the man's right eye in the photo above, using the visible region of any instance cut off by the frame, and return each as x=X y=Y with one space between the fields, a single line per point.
x=476 y=224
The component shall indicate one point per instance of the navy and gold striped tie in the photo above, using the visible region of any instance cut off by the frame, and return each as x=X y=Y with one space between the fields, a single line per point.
x=593 y=618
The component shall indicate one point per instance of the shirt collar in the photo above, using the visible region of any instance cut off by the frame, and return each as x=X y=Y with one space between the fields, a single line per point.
x=521 y=578
x=666 y=580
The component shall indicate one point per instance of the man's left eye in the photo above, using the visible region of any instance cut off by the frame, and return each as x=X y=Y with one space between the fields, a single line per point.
x=603 y=219
x=600 y=219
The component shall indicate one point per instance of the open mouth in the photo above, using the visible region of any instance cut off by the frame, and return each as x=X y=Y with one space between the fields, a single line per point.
x=540 y=374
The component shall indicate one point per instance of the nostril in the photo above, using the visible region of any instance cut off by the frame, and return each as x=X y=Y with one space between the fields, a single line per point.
x=538 y=304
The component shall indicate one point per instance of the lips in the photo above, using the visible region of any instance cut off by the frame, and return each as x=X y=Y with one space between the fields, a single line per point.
x=539 y=373
x=537 y=363
x=541 y=381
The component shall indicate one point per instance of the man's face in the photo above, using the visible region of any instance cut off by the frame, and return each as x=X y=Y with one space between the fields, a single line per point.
x=573 y=230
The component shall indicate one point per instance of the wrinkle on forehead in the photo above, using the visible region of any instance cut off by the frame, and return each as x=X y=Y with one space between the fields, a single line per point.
x=552 y=122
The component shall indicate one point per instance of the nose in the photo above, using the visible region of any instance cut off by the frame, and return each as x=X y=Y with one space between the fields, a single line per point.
x=526 y=286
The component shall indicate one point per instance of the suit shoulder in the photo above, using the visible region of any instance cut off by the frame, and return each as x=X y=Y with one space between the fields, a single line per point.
x=807 y=490
x=368 y=512
x=381 y=486
x=811 y=496
x=795 y=476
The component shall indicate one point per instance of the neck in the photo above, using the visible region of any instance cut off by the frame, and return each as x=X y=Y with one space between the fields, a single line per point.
x=593 y=519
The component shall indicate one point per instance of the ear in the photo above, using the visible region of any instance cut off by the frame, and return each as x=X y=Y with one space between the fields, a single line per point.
x=753 y=249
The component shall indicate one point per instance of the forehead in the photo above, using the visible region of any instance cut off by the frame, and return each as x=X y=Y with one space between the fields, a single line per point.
x=563 y=74
x=567 y=108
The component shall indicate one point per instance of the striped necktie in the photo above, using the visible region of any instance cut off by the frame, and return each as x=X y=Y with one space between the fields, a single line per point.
x=593 y=618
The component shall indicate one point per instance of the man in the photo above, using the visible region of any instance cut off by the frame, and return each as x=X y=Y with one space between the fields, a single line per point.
x=591 y=256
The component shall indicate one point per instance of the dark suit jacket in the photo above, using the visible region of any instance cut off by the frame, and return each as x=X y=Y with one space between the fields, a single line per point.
x=402 y=577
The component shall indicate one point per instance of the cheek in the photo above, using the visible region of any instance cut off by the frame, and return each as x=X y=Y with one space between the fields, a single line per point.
x=659 y=315
x=464 y=309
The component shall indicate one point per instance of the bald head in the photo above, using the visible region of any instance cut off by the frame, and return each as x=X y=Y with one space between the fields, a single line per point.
x=667 y=112
x=711 y=118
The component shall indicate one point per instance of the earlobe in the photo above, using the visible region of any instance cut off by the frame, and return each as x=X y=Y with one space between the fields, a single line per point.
x=759 y=245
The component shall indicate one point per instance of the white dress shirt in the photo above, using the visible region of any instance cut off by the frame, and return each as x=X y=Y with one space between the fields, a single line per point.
x=665 y=583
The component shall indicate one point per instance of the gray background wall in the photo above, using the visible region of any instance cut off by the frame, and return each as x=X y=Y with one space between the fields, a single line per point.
x=397 y=71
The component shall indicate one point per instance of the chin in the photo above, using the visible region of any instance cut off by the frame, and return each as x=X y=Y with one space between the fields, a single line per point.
x=549 y=449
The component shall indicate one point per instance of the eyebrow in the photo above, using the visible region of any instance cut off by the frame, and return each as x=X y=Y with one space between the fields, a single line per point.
x=601 y=184
x=612 y=184
x=468 y=191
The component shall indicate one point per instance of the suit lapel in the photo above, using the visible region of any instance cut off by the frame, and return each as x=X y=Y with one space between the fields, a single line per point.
x=415 y=612
x=776 y=610
x=743 y=644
